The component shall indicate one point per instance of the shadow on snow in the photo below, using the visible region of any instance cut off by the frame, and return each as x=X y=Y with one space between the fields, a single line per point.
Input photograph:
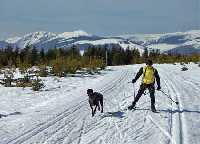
x=117 y=114
x=169 y=110
x=14 y=113
x=121 y=114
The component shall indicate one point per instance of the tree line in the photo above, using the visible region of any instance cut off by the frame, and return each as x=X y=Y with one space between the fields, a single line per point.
x=61 y=60
x=70 y=60
x=120 y=56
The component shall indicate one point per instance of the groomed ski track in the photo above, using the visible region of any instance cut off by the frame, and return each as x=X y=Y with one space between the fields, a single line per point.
x=71 y=123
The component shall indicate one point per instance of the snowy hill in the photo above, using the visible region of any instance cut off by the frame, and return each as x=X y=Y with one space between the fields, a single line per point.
x=47 y=40
x=74 y=34
x=177 y=43
x=180 y=42
x=3 y=44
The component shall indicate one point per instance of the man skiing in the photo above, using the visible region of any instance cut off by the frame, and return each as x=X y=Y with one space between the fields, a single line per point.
x=148 y=81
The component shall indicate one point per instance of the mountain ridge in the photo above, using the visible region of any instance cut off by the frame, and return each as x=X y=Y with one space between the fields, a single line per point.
x=179 y=42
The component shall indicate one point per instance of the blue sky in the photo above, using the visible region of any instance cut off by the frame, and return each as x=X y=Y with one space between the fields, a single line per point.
x=100 y=17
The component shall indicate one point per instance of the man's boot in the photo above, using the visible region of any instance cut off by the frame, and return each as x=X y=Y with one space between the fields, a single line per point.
x=153 y=109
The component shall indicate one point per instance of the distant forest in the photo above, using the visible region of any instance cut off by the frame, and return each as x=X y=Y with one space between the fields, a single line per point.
x=70 y=59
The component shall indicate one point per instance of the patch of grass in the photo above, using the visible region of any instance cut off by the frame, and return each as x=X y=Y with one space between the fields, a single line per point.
x=23 y=84
x=43 y=73
x=37 y=85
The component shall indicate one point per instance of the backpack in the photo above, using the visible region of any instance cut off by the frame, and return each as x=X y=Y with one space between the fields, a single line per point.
x=148 y=75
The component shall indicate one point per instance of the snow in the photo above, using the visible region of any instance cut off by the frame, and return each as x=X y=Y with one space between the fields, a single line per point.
x=47 y=40
x=186 y=42
x=148 y=38
x=42 y=37
x=132 y=46
x=121 y=42
x=162 y=47
x=145 y=38
x=13 y=40
x=74 y=34
x=32 y=38
x=100 y=42
x=60 y=112
x=168 y=41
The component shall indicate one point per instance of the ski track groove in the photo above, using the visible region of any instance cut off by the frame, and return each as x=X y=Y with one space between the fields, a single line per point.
x=117 y=84
x=171 y=109
x=61 y=127
x=105 y=89
x=110 y=90
x=82 y=129
x=180 y=118
x=161 y=129
x=59 y=117
x=171 y=89
x=27 y=135
x=108 y=101
x=174 y=89
x=115 y=91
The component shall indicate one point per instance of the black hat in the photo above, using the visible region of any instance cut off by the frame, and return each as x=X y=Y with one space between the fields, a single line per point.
x=149 y=62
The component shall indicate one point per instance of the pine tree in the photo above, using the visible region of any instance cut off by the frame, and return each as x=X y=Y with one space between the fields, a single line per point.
x=18 y=62
x=136 y=56
x=42 y=56
x=34 y=56
x=128 y=56
x=74 y=52
x=51 y=55
x=145 y=54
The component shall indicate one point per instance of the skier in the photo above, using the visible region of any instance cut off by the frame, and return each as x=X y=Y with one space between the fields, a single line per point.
x=148 y=81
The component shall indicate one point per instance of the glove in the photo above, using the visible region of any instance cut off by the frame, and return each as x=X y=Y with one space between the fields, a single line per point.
x=158 y=88
x=133 y=81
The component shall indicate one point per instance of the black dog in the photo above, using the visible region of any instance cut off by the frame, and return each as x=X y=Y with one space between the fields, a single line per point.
x=95 y=99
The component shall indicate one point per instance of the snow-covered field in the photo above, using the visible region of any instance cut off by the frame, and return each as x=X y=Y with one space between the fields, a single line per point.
x=60 y=112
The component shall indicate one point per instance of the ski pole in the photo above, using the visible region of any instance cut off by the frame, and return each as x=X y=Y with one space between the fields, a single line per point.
x=134 y=91
x=169 y=97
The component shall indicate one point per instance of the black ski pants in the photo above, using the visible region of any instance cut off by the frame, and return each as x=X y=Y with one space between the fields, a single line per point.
x=151 y=89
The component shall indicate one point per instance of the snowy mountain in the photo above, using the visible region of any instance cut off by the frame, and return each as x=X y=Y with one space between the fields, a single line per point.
x=3 y=44
x=47 y=40
x=13 y=40
x=74 y=34
x=176 y=43
x=180 y=42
